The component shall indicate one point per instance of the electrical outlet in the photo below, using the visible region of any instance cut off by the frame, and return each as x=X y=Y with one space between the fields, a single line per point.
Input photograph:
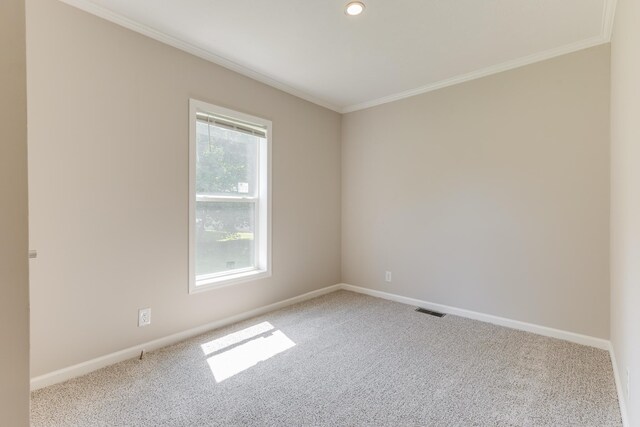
x=387 y=277
x=144 y=317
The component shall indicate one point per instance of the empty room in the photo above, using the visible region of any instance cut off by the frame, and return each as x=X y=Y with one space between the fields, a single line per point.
x=320 y=213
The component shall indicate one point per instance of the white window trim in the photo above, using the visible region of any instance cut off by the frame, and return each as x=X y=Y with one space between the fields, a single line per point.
x=263 y=224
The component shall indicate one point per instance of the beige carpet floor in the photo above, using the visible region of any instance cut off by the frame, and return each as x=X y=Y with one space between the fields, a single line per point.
x=346 y=359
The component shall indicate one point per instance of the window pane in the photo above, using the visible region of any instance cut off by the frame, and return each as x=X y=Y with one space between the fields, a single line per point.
x=226 y=161
x=224 y=236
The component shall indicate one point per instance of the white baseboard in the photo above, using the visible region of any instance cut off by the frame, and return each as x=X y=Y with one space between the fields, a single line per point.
x=131 y=352
x=618 y=379
x=509 y=323
x=514 y=324
x=109 y=359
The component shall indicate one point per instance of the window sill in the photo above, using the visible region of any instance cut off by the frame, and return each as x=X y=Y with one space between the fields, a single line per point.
x=227 y=280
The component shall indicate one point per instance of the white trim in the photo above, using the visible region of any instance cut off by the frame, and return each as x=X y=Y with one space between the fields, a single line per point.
x=619 y=388
x=608 y=18
x=502 y=321
x=119 y=356
x=210 y=283
x=608 y=14
x=131 y=352
x=130 y=24
x=484 y=72
x=262 y=233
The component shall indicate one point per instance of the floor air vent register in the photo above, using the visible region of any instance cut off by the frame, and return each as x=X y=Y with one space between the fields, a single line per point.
x=432 y=313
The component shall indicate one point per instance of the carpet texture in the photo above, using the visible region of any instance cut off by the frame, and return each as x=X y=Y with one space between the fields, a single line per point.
x=346 y=359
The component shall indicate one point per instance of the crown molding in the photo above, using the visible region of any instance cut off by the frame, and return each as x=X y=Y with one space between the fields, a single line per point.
x=101 y=12
x=483 y=72
x=608 y=14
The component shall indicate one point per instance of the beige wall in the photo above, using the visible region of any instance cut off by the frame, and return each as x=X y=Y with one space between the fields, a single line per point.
x=625 y=200
x=491 y=195
x=14 y=268
x=108 y=168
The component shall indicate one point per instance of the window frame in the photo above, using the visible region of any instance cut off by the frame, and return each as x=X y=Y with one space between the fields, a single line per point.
x=262 y=203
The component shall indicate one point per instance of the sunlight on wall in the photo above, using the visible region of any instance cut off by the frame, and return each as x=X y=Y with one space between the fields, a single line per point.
x=241 y=350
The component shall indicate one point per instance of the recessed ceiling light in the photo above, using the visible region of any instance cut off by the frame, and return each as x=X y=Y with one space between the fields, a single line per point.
x=354 y=8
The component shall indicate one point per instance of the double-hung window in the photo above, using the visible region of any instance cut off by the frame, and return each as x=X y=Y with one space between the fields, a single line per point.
x=229 y=206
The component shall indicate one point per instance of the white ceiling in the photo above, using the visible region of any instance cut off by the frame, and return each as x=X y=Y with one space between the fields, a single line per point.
x=395 y=49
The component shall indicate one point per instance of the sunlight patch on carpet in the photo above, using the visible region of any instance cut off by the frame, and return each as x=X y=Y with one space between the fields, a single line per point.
x=236 y=337
x=241 y=350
